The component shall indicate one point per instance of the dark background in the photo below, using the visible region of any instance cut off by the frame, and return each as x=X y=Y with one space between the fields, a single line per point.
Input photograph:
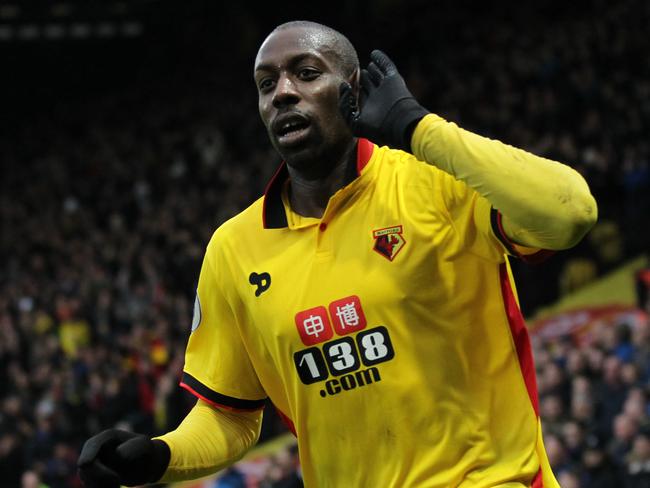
x=129 y=132
x=463 y=59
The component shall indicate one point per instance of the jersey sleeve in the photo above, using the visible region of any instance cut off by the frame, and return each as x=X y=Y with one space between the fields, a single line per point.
x=217 y=366
x=545 y=203
x=477 y=224
x=527 y=254
x=209 y=439
x=471 y=216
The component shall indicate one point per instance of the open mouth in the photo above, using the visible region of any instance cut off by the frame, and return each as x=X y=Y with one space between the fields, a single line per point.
x=291 y=129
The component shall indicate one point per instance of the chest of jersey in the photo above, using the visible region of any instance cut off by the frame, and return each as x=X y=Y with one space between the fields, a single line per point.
x=327 y=303
x=380 y=304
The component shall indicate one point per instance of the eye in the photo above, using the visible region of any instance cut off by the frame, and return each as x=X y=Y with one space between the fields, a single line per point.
x=308 y=74
x=265 y=84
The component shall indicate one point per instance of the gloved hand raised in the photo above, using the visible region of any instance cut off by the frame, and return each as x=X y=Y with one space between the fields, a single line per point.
x=386 y=112
x=116 y=457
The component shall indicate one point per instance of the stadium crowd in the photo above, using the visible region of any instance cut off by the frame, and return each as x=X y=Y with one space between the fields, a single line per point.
x=107 y=202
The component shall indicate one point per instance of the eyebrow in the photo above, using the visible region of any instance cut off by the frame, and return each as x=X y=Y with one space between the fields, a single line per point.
x=292 y=62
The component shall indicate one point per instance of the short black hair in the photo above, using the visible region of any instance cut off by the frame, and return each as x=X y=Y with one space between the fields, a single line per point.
x=338 y=44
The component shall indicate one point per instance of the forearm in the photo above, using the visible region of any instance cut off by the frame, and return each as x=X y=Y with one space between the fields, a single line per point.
x=208 y=440
x=543 y=203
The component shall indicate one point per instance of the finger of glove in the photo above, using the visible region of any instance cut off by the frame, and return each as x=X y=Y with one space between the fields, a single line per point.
x=92 y=446
x=98 y=475
x=375 y=74
x=363 y=96
x=384 y=63
x=367 y=86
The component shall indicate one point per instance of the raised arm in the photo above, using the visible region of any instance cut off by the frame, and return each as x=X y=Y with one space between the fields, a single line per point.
x=543 y=203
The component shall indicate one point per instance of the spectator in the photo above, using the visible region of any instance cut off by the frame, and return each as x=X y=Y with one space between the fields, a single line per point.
x=31 y=479
x=577 y=273
x=569 y=479
x=609 y=393
x=231 y=478
x=637 y=462
x=641 y=342
x=283 y=471
x=576 y=363
x=599 y=469
x=552 y=413
x=573 y=436
x=636 y=406
x=11 y=461
x=553 y=381
x=582 y=405
x=625 y=429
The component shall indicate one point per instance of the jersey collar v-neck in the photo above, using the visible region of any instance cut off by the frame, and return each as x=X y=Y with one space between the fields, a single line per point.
x=274 y=215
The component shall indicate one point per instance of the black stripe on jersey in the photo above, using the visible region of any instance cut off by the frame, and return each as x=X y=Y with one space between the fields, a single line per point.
x=495 y=218
x=535 y=258
x=218 y=398
x=273 y=214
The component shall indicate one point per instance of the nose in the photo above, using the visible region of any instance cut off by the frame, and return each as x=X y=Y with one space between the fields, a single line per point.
x=286 y=92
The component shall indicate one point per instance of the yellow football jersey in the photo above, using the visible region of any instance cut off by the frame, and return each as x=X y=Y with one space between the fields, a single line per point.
x=387 y=332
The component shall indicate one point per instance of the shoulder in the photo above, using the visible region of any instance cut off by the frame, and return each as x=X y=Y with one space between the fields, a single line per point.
x=394 y=163
x=234 y=232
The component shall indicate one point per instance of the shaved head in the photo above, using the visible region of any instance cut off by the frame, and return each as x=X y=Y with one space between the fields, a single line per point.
x=298 y=72
x=330 y=41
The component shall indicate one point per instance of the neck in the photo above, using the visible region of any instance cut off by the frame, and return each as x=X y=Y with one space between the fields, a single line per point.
x=309 y=193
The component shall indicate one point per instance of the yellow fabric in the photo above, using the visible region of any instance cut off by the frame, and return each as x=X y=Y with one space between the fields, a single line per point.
x=545 y=204
x=43 y=323
x=215 y=348
x=382 y=335
x=73 y=335
x=209 y=439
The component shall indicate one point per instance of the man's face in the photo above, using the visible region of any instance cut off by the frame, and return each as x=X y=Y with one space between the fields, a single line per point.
x=298 y=78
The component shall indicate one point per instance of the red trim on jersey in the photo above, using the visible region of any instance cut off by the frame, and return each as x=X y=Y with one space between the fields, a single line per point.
x=520 y=336
x=287 y=421
x=497 y=228
x=215 y=404
x=538 y=482
x=364 y=152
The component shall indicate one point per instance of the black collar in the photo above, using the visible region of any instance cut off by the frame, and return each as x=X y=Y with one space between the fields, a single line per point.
x=273 y=214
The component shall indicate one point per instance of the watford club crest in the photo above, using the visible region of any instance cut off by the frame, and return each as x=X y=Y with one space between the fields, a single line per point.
x=388 y=241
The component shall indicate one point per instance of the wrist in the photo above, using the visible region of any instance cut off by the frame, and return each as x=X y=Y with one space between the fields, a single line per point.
x=408 y=132
x=410 y=115
x=429 y=142
x=159 y=462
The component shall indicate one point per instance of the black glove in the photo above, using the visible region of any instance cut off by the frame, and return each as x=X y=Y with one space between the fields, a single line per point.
x=116 y=457
x=386 y=112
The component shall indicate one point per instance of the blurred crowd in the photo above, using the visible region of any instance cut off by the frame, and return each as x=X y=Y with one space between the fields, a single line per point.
x=107 y=203
x=594 y=401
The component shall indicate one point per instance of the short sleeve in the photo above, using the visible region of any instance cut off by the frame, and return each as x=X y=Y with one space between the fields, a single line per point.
x=217 y=366
x=478 y=224
x=470 y=215
x=528 y=254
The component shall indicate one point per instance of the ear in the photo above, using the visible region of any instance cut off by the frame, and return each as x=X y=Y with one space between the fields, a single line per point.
x=354 y=80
